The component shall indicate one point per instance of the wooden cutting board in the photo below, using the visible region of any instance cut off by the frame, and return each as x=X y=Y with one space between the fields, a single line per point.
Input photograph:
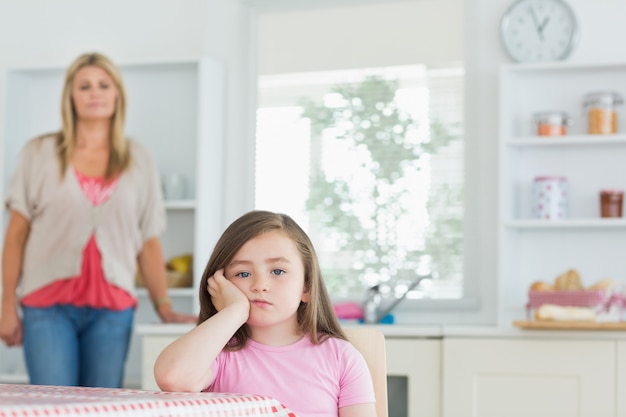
x=570 y=325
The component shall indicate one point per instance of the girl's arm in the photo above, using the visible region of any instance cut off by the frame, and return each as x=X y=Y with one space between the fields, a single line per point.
x=17 y=232
x=185 y=365
x=358 y=410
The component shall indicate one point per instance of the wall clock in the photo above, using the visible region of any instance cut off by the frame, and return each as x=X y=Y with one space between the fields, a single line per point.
x=539 y=30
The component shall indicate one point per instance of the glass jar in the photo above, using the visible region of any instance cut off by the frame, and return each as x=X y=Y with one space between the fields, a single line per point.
x=611 y=202
x=601 y=114
x=551 y=123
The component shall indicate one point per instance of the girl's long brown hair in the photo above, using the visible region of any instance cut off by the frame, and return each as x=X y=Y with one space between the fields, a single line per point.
x=315 y=317
x=119 y=157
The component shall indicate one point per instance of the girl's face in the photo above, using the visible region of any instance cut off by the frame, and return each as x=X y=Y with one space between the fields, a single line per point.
x=93 y=93
x=268 y=269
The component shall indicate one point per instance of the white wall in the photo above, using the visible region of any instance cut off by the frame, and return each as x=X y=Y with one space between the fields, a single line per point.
x=388 y=33
x=40 y=32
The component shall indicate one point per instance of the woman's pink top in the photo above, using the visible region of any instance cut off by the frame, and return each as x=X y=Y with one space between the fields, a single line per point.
x=90 y=288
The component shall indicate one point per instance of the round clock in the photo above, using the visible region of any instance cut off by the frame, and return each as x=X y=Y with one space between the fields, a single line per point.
x=539 y=30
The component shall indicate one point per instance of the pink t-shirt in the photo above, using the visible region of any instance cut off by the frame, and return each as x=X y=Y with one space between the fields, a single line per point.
x=311 y=380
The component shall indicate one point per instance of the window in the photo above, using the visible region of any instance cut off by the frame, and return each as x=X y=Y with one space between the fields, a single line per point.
x=370 y=163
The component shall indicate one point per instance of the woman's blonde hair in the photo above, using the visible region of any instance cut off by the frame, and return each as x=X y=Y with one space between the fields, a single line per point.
x=119 y=156
x=316 y=317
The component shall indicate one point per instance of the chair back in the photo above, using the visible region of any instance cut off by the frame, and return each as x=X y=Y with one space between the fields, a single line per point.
x=371 y=343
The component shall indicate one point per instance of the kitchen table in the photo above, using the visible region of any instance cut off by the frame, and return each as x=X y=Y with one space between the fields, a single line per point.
x=49 y=401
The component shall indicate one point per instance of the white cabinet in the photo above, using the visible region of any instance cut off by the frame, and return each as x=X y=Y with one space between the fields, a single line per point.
x=532 y=249
x=175 y=108
x=419 y=361
x=540 y=378
x=620 y=370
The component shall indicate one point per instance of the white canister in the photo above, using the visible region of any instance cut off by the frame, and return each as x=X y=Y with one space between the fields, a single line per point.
x=550 y=197
x=175 y=186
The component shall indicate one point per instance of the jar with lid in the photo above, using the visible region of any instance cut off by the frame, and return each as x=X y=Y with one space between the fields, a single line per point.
x=550 y=197
x=551 y=123
x=611 y=202
x=601 y=114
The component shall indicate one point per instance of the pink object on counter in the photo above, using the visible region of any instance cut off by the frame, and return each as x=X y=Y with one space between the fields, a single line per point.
x=348 y=310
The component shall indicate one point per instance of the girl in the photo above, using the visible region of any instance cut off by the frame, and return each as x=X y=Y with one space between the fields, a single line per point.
x=266 y=326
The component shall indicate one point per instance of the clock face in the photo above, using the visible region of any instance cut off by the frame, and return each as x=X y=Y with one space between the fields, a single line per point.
x=539 y=30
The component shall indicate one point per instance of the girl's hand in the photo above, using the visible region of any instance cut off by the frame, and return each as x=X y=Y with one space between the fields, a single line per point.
x=225 y=294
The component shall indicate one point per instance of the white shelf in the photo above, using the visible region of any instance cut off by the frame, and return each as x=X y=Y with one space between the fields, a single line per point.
x=180 y=204
x=569 y=140
x=532 y=249
x=13 y=378
x=172 y=292
x=562 y=66
x=566 y=223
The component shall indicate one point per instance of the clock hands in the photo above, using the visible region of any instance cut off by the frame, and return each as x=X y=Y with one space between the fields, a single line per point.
x=538 y=26
x=534 y=16
x=542 y=26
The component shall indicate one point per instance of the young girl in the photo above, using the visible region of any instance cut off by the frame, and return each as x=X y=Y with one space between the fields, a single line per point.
x=267 y=326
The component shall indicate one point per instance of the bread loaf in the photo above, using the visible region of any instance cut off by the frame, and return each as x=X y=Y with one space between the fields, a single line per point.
x=568 y=281
x=603 y=284
x=551 y=312
x=541 y=286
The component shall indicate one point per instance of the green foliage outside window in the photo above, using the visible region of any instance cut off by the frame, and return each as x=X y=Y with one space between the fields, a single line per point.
x=362 y=222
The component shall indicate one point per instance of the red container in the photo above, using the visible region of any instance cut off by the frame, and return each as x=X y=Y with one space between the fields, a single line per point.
x=611 y=203
x=552 y=123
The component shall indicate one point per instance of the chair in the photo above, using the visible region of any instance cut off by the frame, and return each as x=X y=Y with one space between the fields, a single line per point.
x=371 y=343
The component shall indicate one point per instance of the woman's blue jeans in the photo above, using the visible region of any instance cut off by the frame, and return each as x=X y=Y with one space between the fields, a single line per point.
x=76 y=346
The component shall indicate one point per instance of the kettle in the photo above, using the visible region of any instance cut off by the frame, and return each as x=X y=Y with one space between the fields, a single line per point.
x=372 y=307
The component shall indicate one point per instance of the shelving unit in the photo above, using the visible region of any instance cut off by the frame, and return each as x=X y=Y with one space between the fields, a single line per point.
x=176 y=108
x=533 y=249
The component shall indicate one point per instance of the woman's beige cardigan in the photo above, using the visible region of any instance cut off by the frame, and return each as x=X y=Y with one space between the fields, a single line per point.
x=62 y=219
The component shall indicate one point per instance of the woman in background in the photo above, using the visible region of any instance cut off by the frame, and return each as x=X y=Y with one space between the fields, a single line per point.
x=85 y=209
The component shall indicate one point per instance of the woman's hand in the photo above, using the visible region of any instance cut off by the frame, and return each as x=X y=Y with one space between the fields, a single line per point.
x=168 y=315
x=152 y=267
x=226 y=294
x=10 y=328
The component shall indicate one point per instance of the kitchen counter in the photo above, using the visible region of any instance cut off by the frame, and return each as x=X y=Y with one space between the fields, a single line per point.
x=430 y=331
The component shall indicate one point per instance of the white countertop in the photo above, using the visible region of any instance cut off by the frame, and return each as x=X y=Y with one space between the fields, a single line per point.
x=429 y=331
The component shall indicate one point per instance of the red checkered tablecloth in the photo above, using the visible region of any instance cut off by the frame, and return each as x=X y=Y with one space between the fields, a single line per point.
x=52 y=401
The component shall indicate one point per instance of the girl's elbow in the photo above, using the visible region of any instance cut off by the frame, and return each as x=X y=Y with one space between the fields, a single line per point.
x=174 y=382
x=170 y=383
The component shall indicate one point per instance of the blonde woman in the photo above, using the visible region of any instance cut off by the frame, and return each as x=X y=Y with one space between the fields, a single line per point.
x=85 y=209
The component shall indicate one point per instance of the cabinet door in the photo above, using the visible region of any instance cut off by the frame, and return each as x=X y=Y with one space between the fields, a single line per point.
x=151 y=347
x=621 y=379
x=539 y=378
x=417 y=360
